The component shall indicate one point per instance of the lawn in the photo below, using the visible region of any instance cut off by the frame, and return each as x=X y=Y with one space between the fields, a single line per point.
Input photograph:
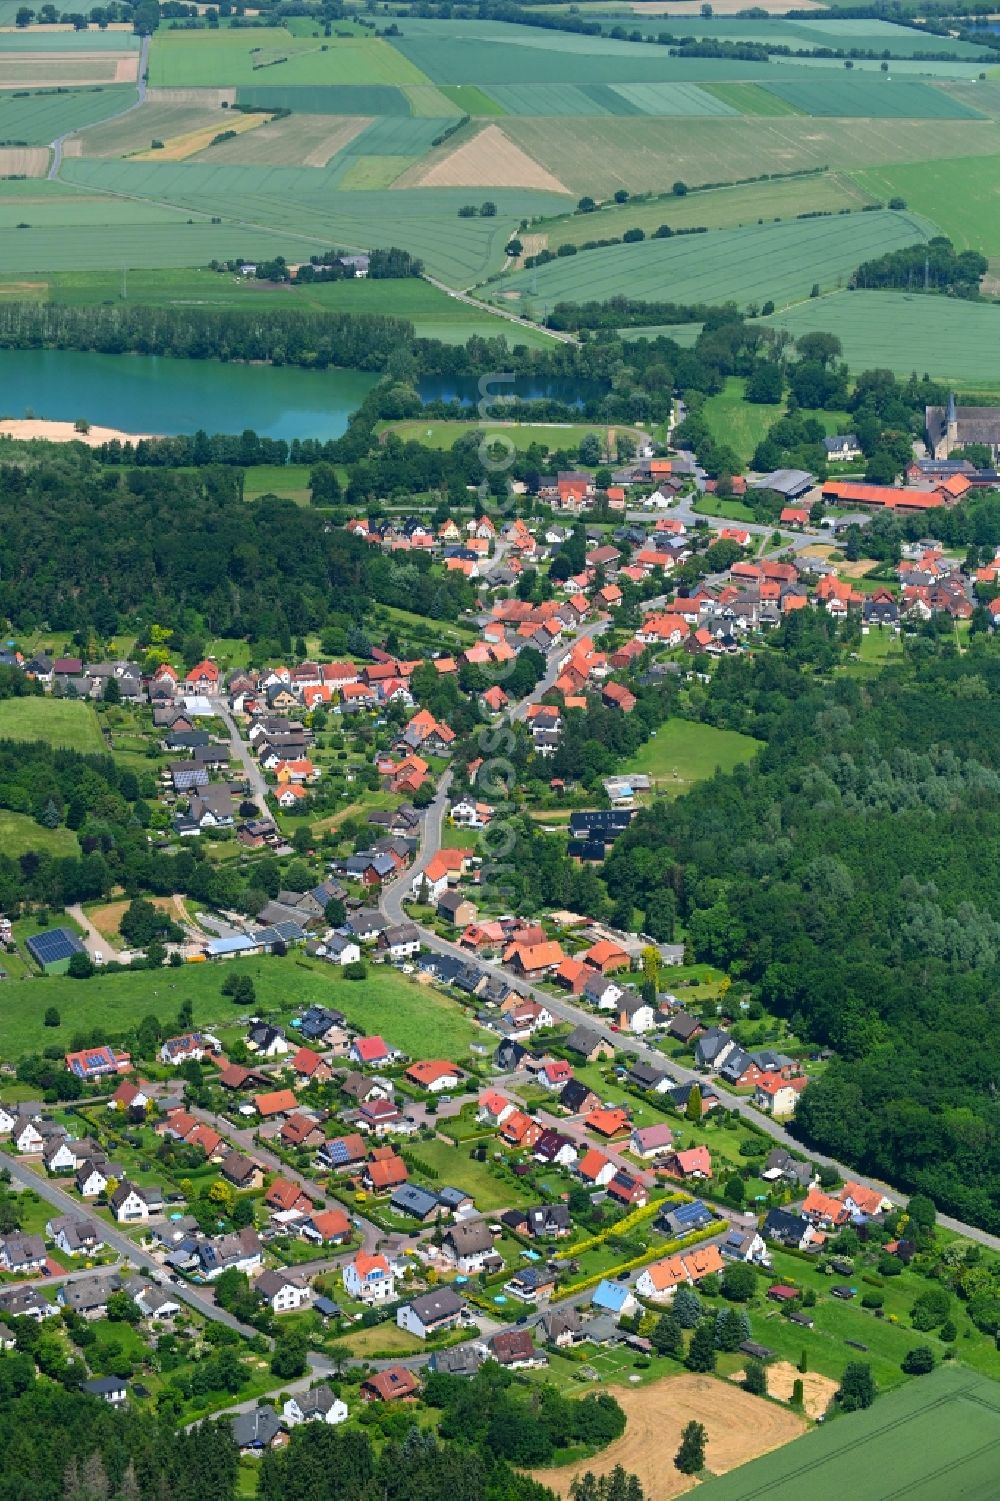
x=19 y=833
x=382 y=1337
x=66 y=723
x=455 y=1167
x=288 y=480
x=936 y=1437
x=684 y=752
x=553 y=435
x=410 y=1015
x=780 y=262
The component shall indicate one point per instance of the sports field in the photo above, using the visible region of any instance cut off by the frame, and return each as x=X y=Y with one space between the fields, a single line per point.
x=777 y=261
x=684 y=751
x=935 y=1438
x=63 y=722
x=951 y=340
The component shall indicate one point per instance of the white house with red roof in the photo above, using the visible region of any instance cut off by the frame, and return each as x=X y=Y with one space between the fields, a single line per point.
x=369 y=1279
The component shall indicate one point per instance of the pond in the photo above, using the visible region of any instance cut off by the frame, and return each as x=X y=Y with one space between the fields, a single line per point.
x=139 y=393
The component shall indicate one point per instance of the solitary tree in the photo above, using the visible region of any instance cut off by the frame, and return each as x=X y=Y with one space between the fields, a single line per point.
x=857 y=1386
x=755 y=1378
x=690 y=1457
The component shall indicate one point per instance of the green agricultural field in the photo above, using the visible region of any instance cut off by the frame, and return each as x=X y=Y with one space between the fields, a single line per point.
x=63 y=722
x=38 y=40
x=957 y=342
x=327 y=99
x=715 y=208
x=647 y=155
x=936 y=1437
x=291 y=202
x=271 y=55
x=151 y=244
x=471 y=100
x=962 y=196
x=39 y=118
x=776 y=261
x=672 y=99
x=872 y=96
x=19 y=833
x=684 y=752
x=751 y=99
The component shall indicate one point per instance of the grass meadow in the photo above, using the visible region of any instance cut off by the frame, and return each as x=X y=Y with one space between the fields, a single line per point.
x=63 y=722
x=684 y=752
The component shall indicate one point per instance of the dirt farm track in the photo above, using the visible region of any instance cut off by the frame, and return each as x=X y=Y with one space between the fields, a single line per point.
x=740 y=1427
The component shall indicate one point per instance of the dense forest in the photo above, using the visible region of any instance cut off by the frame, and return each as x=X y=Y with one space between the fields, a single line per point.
x=850 y=875
x=58 y=1445
x=932 y=267
x=82 y=546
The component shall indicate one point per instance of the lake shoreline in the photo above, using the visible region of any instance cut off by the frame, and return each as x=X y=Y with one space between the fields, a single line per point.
x=24 y=429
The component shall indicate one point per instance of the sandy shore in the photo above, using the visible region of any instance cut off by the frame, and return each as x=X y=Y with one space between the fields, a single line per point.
x=65 y=432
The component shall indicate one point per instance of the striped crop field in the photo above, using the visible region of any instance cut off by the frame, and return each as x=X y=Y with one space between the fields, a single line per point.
x=962 y=195
x=872 y=97
x=44 y=115
x=953 y=341
x=327 y=99
x=715 y=208
x=777 y=261
x=37 y=39
x=647 y=155
x=751 y=99
x=293 y=203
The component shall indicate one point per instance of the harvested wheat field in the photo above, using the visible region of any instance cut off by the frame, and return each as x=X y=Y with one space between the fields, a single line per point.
x=210 y=98
x=179 y=148
x=489 y=160
x=30 y=70
x=740 y=1427
x=296 y=141
x=24 y=161
x=817 y=1391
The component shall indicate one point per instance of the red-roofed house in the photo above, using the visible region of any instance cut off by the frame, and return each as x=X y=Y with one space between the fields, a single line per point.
x=434 y=1075
x=310 y=1068
x=370 y=1050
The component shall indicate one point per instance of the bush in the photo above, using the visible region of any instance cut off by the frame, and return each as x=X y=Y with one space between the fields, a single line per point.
x=919 y=1361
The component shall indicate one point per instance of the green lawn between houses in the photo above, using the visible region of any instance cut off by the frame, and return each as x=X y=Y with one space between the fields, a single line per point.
x=63 y=722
